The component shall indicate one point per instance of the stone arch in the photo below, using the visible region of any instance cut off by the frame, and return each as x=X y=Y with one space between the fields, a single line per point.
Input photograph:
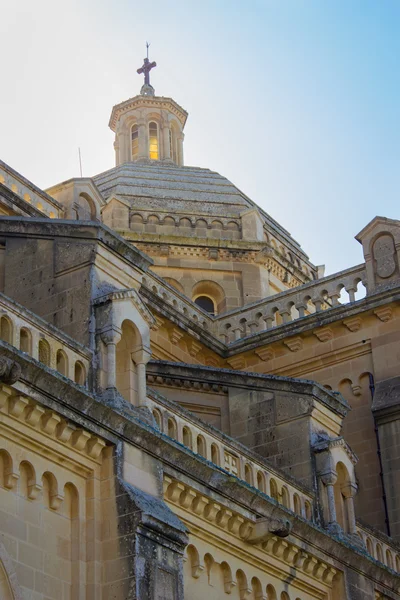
x=172 y=428
x=153 y=219
x=389 y=559
x=157 y=418
x=185 y=222
x=50 y=490
x=126 y=370
x=194 y=560
x=216 y=224
x=7 y=475
x=212 y=290
x=80 y=373
x=261 y=484
x=62 y=362
x=248 y=474
x=257 y=589
x=242 y=584
x=285 y=497
x=6 y=329
x=215 y=455
x=136 y=222
x=86 y=208
x=201 y=224
x=296 y=504
x=27 y=481
x=25 y=340
x=271 y=593
x=308 y=510
x=378 y=552
x=201 y=446
x=44 y=352
x=187 y=437
x=273 y=489
x=71 y=510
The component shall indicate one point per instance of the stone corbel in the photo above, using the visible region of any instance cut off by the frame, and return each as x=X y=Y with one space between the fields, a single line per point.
x=266 y=527
x=294 y=344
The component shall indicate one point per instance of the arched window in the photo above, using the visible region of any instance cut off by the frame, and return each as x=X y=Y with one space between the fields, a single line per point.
x=206 y=304
x=153 y=141
x=135 y=141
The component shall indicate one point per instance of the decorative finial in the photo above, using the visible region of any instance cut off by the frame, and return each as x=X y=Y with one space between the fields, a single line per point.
x=147 y=89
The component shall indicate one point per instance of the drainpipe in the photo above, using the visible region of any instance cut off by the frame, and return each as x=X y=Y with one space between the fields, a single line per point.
x=378 y=446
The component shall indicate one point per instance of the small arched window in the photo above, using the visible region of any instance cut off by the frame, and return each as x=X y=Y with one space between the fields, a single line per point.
x=153 y=141
x=135 y=141
x=206 y=304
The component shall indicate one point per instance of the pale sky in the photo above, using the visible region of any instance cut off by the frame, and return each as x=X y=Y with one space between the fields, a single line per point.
x=295 y=101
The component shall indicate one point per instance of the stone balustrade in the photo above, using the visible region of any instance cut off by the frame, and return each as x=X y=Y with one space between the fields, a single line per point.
x=324 y=294
x=30 y=193
x=229 y=455
x=381 y=550
x=159 y=288
x=40 y=340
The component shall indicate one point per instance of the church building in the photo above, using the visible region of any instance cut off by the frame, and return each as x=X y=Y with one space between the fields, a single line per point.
x=189 y=408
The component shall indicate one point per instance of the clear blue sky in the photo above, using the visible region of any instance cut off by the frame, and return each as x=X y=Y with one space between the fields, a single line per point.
x=296 y=101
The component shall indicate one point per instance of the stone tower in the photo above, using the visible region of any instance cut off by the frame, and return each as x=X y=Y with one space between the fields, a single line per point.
x=148 y=127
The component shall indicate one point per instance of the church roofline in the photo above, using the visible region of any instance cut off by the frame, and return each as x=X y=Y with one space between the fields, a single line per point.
x=147 y=102
x=4 y=166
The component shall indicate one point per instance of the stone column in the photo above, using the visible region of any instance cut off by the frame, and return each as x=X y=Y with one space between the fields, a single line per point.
x=143 y=138
x=111 y=339
x=141 y=357
x=329 y=480
x=180 y=139
x=349 y=491
x=166 y=145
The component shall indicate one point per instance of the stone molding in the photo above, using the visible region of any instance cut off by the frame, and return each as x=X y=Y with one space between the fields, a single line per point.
x=235 y=524
x=50 y=423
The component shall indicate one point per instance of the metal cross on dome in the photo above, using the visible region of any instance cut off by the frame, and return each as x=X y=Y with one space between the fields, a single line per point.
x=146 y=67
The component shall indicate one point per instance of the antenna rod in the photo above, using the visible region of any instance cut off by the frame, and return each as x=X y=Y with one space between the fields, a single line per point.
x=80 y=160
x=147 y=48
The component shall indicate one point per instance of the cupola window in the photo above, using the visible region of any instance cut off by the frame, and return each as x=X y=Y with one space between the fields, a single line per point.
x=153 y=141
x=135 y=141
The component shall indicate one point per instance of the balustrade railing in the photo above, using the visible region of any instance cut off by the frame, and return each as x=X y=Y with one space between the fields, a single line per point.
x=37 y=338
x=297 y=303
x=233 y=458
